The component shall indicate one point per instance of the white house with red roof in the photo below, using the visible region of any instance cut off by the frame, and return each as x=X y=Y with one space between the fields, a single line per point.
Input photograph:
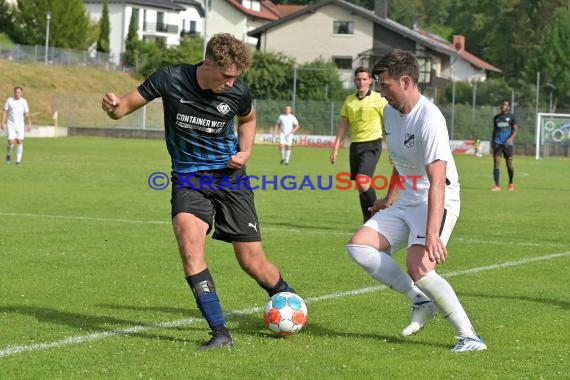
x=239 y=17
x=169 y=20
x=352 y=36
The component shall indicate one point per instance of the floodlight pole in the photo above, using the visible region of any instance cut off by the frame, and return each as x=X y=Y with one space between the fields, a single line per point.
x=48 y=18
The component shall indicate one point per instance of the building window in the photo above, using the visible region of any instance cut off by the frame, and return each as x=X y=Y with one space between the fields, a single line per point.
x=160 y=23
x=424 y=63
x=145 y=17
x=343 y=27
x=343 y=63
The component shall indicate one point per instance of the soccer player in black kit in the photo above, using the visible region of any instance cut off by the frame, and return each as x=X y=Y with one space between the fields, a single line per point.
x=200 y=102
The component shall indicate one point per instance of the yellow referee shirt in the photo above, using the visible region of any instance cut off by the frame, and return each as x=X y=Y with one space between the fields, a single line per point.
x=365 y=116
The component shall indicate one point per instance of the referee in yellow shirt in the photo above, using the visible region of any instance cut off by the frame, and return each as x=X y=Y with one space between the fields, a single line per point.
x=362 y=113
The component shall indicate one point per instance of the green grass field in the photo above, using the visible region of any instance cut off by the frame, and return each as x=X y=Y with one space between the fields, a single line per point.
x=92 y=286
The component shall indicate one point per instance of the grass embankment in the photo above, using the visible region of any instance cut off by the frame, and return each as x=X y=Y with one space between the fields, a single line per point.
x=48 y=88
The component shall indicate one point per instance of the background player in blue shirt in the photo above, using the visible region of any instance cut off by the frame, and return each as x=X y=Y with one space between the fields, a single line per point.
x=200 y=103
x=505 y=129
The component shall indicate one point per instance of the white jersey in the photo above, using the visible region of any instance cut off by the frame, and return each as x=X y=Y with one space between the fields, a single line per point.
x=286 y=123
x=415 y=140
x=16 y=110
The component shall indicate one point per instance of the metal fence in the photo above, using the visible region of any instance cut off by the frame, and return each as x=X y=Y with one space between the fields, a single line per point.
x=315 y=117
x=57 y=56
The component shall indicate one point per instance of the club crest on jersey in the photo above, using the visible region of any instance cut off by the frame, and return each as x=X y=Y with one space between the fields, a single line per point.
x=409 y=141
x=223 y=108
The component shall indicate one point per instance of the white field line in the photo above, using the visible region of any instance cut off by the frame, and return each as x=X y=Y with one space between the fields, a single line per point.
x=12 y=350
x=309 y=230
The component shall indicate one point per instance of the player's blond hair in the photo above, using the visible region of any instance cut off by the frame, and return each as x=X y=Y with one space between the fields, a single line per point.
x=228 y=51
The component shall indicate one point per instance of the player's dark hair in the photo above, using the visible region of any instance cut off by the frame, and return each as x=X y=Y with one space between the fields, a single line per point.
x=506 y=101
x=227 y=51
x=397 y=63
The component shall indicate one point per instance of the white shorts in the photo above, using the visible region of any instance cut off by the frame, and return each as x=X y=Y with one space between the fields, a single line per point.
x=285 y=139
x=15 y=132
x=404 y=226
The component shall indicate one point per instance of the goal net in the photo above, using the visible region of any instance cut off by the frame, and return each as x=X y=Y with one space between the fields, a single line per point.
x=552 y=134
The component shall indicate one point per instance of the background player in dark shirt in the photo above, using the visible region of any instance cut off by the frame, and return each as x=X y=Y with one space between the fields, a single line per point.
x=200 y=102
x=505 y=129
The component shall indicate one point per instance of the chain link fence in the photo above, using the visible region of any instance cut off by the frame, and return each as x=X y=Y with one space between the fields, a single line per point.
x=57 y=56
x=316 y=117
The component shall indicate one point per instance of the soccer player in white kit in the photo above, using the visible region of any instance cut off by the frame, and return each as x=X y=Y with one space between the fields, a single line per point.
x=421 y=206
x=15 y=109
x=287 y=125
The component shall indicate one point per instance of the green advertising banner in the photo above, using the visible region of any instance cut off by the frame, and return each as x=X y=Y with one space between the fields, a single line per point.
x=556 y=130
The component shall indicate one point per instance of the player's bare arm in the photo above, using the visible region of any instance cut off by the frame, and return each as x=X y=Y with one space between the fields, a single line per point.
x=117 y=107
x=246 y=131
x=29 y=117
x=295 y=129
x=391 y=195
x=514 y=132
x=436 y=197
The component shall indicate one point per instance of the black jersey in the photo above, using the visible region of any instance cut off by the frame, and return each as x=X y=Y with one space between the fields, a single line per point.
x=504 y=125
x=198 y=124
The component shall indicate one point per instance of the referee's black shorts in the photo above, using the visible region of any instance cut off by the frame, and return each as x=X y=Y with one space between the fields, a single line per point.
x=222 y=198
x=364 y=156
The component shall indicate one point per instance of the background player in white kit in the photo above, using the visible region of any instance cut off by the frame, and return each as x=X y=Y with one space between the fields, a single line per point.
x=422 y=217
x=15 y=109
x=287 y=125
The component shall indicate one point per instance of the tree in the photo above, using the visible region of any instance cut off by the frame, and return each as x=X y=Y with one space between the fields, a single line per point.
x=132 y=43
x=5 y=17
x=551 y=56
x=270 y=75
x=318 y=80
x=104 y=30
x=68 y=24
x=189 y=50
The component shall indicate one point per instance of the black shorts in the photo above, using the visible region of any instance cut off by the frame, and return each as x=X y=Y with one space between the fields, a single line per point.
x=222 y=195
x=503 y=149
x=364 y=156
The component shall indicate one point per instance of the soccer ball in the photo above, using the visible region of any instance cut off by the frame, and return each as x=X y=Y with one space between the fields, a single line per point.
x=285 y=313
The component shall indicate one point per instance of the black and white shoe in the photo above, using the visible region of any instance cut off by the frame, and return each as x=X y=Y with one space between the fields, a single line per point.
x=218 y=340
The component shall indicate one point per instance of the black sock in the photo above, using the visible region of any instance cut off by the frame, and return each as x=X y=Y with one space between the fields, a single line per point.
x=281 y=286
x=496 y=176
x=204 y=290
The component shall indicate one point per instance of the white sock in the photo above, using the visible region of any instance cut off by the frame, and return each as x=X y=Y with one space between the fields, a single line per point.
x=382 y=267
x=282 y=154
x=9 y=149
x=287 y=155
x=19 y=152
x=444 y=297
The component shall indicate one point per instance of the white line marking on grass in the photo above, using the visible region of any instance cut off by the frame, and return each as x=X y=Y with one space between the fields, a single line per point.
x=12 y=350
x=88 y=218
x=138 y=221
x=308 y=230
